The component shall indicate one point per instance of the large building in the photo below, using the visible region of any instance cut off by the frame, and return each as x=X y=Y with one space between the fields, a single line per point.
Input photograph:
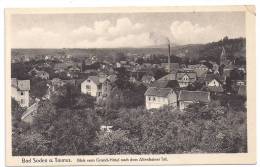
x=20 y=91
x=160 y=97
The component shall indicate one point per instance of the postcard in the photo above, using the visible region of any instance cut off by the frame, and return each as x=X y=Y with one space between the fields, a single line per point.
x=130 y=86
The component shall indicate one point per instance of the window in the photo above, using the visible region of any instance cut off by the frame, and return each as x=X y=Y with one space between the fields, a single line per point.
x=149 y=98
x=22 y=101
x=88 y=87
x=22 y=93
x=154 y=99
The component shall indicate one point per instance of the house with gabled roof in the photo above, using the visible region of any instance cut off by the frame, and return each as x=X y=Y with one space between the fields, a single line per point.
x=147 y=79
x=160 y=97
x=186 y=77
x=96 y=86
x=20 y=91
x=189 y=97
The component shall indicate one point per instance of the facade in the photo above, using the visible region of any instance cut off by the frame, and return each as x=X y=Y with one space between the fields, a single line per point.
x=96 y=87
x=20 y=91
x=185 y=78
x=160 y=97
x=90 y=86
x=189 y=97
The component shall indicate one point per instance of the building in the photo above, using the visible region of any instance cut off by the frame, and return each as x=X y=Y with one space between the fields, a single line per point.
x=200 y=69
x=223 y=58
x=160 y=97
x=189 y=97
x=186 y=77
x=148 y=79
x=96 y=87
x=42 y=75
x=20 y=91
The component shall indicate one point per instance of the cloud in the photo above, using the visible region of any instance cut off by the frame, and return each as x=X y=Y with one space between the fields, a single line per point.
x=105 y=29
x=187 y=33
x=130 y=40
x=36 y=37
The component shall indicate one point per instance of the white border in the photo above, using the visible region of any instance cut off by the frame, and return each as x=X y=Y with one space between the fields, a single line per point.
x=108 y=3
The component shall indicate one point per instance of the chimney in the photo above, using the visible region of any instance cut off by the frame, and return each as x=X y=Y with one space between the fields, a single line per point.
x=169 y=57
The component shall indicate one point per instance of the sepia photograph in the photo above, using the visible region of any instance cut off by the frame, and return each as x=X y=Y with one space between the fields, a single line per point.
x=149 y=82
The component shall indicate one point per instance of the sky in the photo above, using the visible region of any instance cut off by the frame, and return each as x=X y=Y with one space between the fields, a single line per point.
x=112 y=30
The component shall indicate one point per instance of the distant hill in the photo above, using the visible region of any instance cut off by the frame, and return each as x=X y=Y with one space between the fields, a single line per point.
x=235 y=48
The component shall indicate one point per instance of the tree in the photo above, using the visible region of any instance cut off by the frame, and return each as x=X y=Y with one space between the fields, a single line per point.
x=38 y=87
x=74 y=132
x=115 y=142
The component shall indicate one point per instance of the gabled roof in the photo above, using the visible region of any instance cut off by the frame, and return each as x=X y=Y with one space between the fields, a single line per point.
x=159 y=92
x=95 y=79
x=147 y=78
x=166 y=84
x=23 y=85
x=199 y=96
x=191 y=74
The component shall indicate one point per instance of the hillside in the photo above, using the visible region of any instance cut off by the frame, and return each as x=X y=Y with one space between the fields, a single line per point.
x=234 y=48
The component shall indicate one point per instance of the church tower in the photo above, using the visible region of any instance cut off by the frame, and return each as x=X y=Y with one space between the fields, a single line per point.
x=223 y=57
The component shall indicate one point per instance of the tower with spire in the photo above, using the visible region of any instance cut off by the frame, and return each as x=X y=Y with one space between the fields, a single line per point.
x=223 y=57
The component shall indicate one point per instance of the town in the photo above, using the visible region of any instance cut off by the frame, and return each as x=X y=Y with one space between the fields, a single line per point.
x=71 y=82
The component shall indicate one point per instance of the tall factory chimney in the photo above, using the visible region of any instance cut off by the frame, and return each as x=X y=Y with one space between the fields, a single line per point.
x=169 y=57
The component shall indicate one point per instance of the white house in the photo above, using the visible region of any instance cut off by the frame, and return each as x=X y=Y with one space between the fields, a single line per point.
x=189 y=97
x=96 y=86
x=90 y=86
x=159 y=97
x=20 y=91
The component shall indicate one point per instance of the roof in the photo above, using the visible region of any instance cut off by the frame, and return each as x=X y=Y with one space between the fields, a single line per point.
x=191 y=74
x=171 y=76
x=199 y=96
x=215 y=88
x=166 y=84
x=159 y=92
x=23 y=85
x=147 y=78
x=30 y=110
x=210 y=77
x=95 y=79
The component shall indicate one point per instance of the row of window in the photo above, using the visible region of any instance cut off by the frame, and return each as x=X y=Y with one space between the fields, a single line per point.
x=158 y=99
